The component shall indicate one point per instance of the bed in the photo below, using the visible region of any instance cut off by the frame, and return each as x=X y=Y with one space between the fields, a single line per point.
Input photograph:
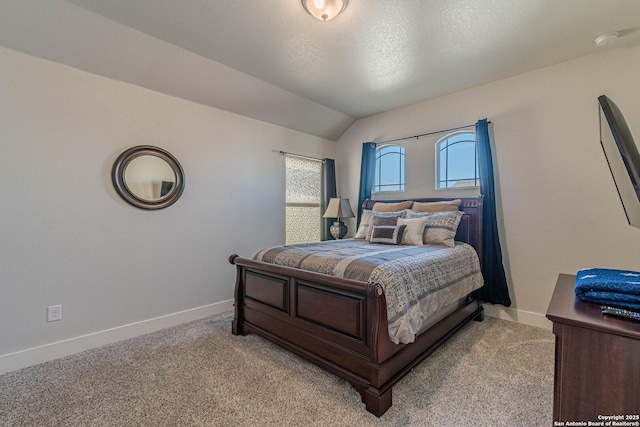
x=341 y=324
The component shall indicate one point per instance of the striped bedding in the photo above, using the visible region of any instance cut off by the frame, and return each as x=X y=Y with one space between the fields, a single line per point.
x=417 y=280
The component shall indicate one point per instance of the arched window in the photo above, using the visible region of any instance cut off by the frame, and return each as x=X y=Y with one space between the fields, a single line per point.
x=457 y=161
x=389 y=169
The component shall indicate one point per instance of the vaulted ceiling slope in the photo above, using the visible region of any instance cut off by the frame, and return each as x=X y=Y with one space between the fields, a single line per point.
x=272 y=61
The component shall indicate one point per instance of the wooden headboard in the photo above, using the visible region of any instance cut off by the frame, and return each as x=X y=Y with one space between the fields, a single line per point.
x=470 y=228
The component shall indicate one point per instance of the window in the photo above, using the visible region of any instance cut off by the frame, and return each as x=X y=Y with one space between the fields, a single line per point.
x=389 y=169
x=457 y=161
x=303 y=196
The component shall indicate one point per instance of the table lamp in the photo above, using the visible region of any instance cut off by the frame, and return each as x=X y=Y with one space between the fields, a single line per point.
x=338 y=208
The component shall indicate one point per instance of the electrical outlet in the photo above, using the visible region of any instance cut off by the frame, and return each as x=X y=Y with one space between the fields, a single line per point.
x=54 y=312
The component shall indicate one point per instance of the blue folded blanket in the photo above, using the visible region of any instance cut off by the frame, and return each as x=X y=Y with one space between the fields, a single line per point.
x=618 y=288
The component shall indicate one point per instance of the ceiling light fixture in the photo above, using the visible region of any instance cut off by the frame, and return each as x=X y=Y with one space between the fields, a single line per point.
x=606 y=39
x=325 y=10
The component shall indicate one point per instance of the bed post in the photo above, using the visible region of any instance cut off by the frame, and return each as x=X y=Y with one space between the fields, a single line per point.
x=480 y=316
x=237 y=325
x=377 y=399
x=377 y=402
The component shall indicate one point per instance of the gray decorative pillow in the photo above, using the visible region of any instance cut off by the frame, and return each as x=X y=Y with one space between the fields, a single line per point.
x=365 y=222
x=441 y=227
x=410 y=213
x=387 y=234
x=381 y=220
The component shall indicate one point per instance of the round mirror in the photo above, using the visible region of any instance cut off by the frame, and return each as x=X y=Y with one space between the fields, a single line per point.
x=148 y=177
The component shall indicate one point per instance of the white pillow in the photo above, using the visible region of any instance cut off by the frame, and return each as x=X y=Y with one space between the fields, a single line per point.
x=413 y=231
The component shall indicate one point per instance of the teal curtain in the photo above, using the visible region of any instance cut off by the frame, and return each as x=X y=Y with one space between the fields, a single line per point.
x=367 y=174
x=495 y=281
x=328 y=191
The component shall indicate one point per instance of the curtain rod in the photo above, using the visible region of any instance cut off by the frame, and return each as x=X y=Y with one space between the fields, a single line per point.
x=426 y=134
x=284 y=153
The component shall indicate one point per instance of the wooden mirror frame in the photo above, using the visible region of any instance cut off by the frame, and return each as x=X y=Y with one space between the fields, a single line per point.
x=119 y=183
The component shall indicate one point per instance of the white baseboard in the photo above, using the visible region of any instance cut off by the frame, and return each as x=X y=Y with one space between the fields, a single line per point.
x=36 y=355
x=519 y=316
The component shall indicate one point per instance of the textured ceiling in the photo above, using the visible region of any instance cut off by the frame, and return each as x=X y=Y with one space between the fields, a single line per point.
x=376 y=56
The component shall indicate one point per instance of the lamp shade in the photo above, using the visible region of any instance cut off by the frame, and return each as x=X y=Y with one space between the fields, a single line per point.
x=325 y=10
x=338 y=208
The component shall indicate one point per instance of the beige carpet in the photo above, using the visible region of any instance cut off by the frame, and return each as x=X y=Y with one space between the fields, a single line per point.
x=494 y=373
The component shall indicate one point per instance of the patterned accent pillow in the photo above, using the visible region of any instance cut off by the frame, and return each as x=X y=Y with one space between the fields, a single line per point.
x=440 y=228
x=365 y=222
x=410 y=213
x=413 y=233
x=387 y=234
x=381 y=220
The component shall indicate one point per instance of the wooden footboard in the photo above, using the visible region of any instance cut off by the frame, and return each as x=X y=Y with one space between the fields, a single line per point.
x=337 y=324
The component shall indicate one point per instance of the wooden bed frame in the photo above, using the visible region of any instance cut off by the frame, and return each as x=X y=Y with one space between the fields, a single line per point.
x=341 y=324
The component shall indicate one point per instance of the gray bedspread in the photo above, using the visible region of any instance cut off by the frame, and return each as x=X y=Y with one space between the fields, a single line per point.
x=417 y=280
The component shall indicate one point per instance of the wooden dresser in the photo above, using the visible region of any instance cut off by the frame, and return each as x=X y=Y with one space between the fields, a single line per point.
x=597 y=365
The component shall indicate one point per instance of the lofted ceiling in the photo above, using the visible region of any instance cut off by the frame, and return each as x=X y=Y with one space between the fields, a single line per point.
x=272 y=61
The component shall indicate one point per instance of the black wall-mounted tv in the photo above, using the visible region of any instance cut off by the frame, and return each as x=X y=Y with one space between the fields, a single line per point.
x=622 y=156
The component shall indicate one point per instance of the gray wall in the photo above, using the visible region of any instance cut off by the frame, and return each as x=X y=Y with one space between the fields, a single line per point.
x=67 y=238
x=558 y=207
